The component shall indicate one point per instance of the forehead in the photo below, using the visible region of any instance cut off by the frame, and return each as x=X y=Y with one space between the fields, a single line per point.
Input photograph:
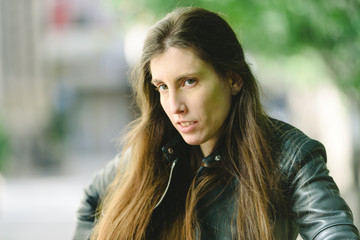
x=175 y=61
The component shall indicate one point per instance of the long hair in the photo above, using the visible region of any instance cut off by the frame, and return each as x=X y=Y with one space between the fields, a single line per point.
x=249 y=157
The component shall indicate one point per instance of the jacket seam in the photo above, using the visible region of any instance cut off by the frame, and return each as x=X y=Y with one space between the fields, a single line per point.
x=330 y=226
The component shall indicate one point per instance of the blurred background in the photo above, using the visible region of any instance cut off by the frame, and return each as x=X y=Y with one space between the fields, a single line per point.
x=64 y=96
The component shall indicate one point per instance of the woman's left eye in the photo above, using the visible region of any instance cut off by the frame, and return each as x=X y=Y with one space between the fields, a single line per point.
x=189 y=82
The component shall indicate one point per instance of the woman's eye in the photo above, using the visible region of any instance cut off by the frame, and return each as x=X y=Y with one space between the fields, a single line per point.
x=161 y=87
x=189 y=82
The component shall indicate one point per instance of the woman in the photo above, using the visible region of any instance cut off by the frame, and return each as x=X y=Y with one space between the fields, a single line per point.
x=203 y=160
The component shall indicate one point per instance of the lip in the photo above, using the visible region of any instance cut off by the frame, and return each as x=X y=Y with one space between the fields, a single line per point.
x=186 y=126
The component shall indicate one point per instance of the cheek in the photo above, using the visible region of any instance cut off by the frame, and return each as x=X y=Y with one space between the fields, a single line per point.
x=165 y=106
x=219 y=106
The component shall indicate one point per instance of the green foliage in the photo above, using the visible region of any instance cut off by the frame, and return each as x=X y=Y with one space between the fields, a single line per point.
x=4 y=147
x=286 y=27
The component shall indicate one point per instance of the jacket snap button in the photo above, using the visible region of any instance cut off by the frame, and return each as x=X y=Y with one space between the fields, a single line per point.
x=217 y=158
x=170 y=151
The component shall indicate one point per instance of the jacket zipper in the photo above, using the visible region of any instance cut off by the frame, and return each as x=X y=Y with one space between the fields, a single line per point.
x=168 y=184
x=199 y=171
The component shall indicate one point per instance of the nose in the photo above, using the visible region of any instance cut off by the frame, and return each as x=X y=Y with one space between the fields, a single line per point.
x=176 y=103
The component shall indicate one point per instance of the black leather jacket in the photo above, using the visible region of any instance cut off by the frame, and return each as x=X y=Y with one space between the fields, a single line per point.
x=315 y=208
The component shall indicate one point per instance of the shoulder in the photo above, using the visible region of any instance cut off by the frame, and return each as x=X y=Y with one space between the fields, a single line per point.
x=103 y=178
x=295 y=149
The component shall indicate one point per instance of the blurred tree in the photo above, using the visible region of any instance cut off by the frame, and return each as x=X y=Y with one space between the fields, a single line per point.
x=287 y=27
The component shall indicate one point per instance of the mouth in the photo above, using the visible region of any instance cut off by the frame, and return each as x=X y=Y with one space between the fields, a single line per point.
x=186 y=124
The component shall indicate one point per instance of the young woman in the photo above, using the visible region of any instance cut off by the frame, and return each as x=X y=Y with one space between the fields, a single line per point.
x=203 y=160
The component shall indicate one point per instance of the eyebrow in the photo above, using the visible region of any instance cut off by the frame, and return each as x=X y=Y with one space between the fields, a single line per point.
x=182 y=76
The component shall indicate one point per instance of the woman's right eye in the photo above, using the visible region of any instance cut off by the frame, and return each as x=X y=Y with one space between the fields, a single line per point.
x=161 y=87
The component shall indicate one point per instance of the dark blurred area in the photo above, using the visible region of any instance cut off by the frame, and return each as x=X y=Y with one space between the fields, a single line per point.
x=65 y=99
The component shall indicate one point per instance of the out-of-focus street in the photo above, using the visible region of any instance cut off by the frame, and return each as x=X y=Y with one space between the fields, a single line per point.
x=44 y=208
x=39 y=208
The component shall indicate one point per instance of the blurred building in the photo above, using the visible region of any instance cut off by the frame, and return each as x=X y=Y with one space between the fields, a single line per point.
x=25 y=108
x=63 y=87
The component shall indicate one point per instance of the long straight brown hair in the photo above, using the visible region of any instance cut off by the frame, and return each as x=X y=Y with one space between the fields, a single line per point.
x=249 y=156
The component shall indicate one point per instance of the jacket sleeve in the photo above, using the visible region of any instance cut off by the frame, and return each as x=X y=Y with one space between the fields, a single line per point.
x=317 y=207
x=92 y=196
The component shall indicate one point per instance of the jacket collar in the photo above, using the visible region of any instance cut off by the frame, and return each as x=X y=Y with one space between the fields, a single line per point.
x=173 y=148
x=213 y=158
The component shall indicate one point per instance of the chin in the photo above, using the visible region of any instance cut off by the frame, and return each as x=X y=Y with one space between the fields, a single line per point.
x=191 y=141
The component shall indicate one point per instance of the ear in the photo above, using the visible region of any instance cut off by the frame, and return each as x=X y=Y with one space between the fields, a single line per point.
x=235 y=82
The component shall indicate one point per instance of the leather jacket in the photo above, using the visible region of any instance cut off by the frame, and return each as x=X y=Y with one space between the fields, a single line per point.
x=315 y=209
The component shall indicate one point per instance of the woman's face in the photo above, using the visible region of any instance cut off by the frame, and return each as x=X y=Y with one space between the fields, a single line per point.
x=194 y=97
